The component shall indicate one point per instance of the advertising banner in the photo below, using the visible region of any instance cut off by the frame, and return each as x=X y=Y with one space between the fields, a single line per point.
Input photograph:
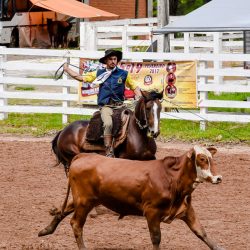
x=176 y=79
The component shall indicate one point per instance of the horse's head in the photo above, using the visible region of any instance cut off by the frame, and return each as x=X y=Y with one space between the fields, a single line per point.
x=147 y=112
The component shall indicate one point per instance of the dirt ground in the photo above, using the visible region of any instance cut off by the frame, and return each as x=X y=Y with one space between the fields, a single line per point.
x=30 y=186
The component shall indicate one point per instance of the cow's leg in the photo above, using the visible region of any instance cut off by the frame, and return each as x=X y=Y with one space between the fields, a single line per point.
x=78 y=220
x=58 y=217
x=154 y=228
x=194 y=224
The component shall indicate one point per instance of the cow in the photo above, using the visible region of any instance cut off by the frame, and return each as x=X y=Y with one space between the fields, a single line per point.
x=160 y=189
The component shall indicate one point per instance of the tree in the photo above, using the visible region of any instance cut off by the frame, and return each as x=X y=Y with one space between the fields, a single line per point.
x=181 y=7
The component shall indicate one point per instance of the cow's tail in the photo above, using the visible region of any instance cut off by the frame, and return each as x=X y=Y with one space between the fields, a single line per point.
x=66 y=199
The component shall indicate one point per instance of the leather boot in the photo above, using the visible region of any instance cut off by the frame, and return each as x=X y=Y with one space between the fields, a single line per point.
x=108 y=139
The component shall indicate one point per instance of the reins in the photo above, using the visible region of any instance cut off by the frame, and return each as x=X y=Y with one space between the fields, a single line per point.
x=138 y=122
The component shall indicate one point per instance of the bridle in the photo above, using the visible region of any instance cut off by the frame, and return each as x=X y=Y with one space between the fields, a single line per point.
x=138 y=122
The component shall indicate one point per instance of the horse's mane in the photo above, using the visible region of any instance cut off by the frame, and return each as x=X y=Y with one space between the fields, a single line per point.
x=152 y=95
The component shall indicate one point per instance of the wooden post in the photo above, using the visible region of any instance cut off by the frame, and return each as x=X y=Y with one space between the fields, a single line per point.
x=92 y=37
x=125 y=47
x=217 y=50
x=186 y=43
x=88 y=39
x=203 y=96
x=163 y=20
x=3 y=102
x=83 y=35
x=65 y=104
x=150 y=8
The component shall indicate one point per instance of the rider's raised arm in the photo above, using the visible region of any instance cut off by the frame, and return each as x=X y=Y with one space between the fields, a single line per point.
x=130 y=83
x=86 y=77
x=72 y=73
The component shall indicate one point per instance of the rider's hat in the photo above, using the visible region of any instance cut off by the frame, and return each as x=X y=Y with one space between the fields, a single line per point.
x=111 y=52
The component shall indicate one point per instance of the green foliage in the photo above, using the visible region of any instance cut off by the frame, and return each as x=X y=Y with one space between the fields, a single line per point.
x=183 y=6
x=186 y=6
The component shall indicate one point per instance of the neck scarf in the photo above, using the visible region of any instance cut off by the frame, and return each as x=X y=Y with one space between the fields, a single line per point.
x=103 y=77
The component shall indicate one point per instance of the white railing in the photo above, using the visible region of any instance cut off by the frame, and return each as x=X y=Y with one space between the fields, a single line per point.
x=137 y=34
x=117 y=34
x=61 y=96
x=202 y=42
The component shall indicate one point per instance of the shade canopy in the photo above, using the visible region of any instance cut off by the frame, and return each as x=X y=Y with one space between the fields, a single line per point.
x=217 y=15
x=72 y=8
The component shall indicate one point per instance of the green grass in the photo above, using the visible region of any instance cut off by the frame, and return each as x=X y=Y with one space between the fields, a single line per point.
x=25 y=88
x=215 y=132
x=229 y=96
x=49 y=124
x=34 y=124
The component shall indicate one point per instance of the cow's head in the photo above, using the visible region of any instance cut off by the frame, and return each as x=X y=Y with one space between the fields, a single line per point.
x=205 y=166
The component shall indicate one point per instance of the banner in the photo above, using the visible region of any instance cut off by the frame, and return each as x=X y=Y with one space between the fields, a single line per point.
x=177 y=80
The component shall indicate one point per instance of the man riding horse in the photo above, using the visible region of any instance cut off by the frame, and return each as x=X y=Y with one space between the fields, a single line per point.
x=111 y=81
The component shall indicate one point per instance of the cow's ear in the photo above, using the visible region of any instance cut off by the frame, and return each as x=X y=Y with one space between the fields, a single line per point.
x=190 y=153
x=212 y=150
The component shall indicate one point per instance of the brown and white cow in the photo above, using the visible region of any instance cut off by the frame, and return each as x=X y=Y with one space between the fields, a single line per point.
x=160 y=190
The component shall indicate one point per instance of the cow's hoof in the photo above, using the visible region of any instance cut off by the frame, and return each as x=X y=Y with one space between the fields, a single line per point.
x=93 y=215
x=43 y=232
x=219 y=248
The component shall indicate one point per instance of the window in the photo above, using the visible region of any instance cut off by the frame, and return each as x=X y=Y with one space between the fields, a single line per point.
x=22 y=6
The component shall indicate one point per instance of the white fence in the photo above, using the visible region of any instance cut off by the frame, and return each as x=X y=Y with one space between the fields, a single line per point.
x=207 y=42
x=117 y=34
x=137 y=34
x=62 y=95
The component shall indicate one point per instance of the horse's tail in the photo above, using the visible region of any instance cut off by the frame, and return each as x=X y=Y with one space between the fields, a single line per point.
x=56 y=151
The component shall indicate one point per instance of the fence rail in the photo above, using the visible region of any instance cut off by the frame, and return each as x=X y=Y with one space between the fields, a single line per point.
x=61 y=96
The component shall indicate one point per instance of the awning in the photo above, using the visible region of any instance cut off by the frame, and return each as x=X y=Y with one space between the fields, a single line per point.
x=72 y=8
x=215 y=16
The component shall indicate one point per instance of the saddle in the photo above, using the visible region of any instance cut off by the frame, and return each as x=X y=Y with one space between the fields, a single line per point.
x=94 y=134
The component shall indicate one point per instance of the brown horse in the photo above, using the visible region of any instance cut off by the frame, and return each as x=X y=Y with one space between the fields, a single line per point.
x=58 y=32
x=138 y=145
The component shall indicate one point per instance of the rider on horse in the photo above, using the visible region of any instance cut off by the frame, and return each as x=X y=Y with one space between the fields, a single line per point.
x=111 y=81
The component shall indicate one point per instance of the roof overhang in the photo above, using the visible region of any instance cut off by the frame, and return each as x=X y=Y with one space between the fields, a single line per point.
x=215 y=16
x=72 y=8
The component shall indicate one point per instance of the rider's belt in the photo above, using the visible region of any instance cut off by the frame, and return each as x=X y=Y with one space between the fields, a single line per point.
x=114 y=103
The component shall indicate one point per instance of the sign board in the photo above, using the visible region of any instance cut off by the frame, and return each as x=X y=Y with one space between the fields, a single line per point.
x=176 y=79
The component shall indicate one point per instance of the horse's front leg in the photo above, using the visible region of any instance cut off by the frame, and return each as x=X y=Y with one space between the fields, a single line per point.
x=194 y=224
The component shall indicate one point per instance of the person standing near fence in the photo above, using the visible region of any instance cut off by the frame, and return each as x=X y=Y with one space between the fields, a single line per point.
x=111 y=81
